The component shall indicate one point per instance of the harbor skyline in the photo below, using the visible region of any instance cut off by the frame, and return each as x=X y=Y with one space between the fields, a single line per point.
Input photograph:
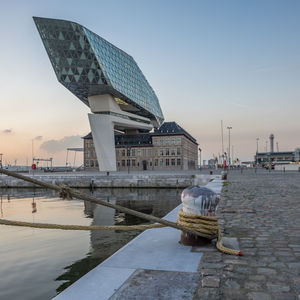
x=207 y=62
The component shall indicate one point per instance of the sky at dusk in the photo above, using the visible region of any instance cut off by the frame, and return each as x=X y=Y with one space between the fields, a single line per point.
x=207 y=61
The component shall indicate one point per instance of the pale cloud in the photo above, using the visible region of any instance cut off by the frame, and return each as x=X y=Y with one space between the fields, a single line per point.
x=7 y=131
x=55 y=146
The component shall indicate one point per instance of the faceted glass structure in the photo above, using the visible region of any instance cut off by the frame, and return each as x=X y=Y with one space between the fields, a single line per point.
x=88 y=65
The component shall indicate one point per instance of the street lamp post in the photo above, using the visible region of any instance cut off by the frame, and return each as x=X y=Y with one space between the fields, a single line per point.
x=229 y=162
x=200 y=150
x=257 y=139
x=1 y=154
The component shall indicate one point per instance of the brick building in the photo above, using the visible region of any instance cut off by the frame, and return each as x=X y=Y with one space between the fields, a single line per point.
x=168 y=148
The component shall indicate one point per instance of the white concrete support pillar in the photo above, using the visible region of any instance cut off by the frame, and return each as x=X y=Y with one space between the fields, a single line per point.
x=102 y=124
x=104 y=141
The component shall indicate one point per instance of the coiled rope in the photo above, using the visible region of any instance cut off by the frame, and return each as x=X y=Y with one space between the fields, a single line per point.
x=208 y=227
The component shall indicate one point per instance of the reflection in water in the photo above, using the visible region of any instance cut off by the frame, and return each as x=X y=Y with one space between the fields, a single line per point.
x=157 y=202
x=55 y=259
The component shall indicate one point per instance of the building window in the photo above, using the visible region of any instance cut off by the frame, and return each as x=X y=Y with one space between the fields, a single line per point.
x=118 y=164
x=178 y=161
x=167 y=162
x=161 y=152
x=150 y=163
x=167 y=141
x=161 y=162
x=173 y=140
x=133 y=152
x=161 y=141
x=155 y=142
x=149 y=152
x=173 y=161
x=167 y=151
x=123 y=152
x=96 y=163
x=156 y=162
x=139 y=153
x=178 y=140
x=128 y=152
x=178 y=151
x=173 y=152
x=128 y=162
x=133 y=162
x=123 y=162
x=92 y=163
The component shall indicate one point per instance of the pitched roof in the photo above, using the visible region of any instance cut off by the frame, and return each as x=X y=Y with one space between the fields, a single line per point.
x=88 y=136
x=169 y=128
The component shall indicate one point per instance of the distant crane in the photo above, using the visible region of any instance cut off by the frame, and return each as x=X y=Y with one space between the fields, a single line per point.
x=43 y=159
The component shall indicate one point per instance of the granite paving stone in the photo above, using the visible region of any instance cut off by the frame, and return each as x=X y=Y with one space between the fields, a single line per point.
x=261 y=210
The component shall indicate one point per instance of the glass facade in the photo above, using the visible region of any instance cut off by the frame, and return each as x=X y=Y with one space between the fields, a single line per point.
x=87 y=65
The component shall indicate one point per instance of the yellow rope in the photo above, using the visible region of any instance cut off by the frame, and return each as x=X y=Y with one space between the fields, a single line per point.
x=78 y=227
x=208 y=228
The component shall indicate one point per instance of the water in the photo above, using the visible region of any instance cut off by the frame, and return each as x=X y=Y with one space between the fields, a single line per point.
x=40 y=263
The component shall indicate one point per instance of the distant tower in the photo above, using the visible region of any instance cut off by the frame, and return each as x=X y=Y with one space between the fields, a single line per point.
x=271 y=142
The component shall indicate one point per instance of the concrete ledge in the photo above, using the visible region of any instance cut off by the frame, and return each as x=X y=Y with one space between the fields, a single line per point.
x=85 y=180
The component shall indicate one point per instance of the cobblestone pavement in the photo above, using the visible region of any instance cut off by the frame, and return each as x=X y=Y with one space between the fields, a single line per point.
x=262 y=210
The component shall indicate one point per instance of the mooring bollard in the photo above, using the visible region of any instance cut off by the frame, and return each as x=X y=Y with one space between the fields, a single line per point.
x=199 y=201
x=224 y=175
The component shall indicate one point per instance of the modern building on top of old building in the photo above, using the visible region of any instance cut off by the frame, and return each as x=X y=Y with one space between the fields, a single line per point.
x=168 y=148
x=103 y=77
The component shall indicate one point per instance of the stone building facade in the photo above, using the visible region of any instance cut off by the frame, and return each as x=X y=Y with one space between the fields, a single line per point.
x=168 y=148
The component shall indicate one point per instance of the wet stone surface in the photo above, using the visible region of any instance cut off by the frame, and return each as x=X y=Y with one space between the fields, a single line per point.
x=262 y=211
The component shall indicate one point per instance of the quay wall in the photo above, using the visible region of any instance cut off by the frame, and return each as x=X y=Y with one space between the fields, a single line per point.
x=289 y=167
x=112 y=181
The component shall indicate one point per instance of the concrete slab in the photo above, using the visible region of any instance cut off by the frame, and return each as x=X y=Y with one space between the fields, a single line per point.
x=146 y=285
x=95 y=283
x=156 y=249
x=231 y=242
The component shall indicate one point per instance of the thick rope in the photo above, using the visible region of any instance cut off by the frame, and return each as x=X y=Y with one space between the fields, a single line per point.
x=196 y=225
x=208 y=227
x=78 y=227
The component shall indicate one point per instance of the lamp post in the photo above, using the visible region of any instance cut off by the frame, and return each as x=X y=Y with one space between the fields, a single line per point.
x=257 y=139
x=229 y=162
x=1 y=154
x=200 y=150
